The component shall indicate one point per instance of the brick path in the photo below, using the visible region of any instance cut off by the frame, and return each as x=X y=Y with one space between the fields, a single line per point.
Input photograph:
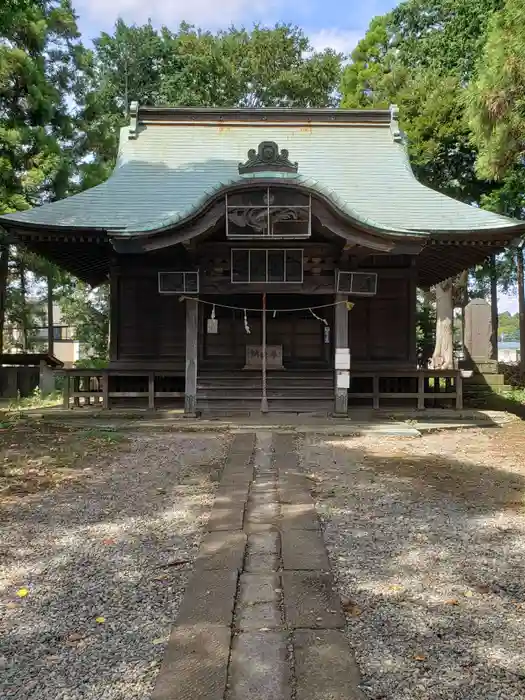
x=260 y=618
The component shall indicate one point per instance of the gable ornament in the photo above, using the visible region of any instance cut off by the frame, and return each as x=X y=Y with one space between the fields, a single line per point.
x=268 y=157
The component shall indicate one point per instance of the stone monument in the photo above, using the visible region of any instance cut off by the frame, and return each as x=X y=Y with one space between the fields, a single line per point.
x=478 y=337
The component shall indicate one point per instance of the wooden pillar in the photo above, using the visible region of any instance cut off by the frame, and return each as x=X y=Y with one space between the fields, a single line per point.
x=192 y=335
x=341 y=342
x=412 y=314
x=151 y=391
x=114 y=311
x=459 y=391
x=67 y=389
x=105 y=390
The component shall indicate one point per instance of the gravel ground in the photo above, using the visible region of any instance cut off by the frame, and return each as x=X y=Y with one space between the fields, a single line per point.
x=427 y=541
x=95 y=558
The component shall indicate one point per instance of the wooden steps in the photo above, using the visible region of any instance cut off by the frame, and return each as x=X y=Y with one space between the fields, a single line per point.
x=288 y=391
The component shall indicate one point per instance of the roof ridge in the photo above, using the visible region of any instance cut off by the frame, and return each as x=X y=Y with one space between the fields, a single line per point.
x=153 y=114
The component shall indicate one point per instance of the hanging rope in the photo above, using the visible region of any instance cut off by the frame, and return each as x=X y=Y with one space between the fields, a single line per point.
x=323 y=320
x=349 y=306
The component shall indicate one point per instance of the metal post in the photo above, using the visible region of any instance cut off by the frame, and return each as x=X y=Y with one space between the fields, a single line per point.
x=264 y=399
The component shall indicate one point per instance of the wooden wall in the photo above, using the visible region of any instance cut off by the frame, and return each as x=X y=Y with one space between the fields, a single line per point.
x=381 y=328
x=148 y=329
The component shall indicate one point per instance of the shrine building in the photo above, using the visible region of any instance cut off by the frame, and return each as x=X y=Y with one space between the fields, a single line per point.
x=262 y=259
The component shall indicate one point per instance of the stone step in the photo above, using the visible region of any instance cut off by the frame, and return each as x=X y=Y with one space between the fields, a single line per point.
x=479 y=389
x=490 y=379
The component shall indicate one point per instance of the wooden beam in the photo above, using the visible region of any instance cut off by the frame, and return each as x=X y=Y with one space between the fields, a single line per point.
x=192 y=326
x=341 y=341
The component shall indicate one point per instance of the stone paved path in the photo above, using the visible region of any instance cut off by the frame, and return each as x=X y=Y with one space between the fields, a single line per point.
x=260 y=618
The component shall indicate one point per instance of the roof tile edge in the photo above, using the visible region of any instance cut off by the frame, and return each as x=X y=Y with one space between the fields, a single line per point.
x=147 y=114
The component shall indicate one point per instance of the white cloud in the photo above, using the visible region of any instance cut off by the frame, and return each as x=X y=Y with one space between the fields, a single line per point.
x=205 y=13
x=341 y=40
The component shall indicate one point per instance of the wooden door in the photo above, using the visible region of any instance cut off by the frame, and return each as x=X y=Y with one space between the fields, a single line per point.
x=303 y=337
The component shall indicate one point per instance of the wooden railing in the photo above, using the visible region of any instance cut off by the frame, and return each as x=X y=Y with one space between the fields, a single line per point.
x=93 y=386
x=423 y=386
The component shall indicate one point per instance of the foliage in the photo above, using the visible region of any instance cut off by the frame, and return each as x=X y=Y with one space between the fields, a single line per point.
x=36 y=400
x=39 y=55
x=516 y=395
x=423 y=56
x=92 y=363
x=425 y=329
x=509 y=327
x=87 y=310
x=443 y=35
x=496 y=99
x=420 y=56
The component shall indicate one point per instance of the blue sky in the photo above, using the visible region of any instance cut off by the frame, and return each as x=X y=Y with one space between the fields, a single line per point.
x=327 y=22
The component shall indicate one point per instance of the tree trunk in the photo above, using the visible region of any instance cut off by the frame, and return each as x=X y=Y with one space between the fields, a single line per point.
x=494 y=307
x=521 y=306
x=443 y=357
x=4 y=268
x=50 y=320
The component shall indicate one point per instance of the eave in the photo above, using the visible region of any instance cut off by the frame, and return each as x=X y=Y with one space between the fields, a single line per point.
x=85 y=254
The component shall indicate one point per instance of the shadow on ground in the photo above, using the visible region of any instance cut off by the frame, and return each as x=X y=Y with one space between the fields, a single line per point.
x=428 y=543
x=116 y=544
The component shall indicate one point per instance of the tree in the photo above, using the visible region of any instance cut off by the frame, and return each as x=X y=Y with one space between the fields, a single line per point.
x=443 y=356
x=87 y=311
x=443 y=35
x=509 y=327
x=40 y=69
x=422 y=56
x=496 y=99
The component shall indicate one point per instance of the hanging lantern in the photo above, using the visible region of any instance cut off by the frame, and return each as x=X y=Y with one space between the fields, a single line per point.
x=212 y=325
x=327 y=335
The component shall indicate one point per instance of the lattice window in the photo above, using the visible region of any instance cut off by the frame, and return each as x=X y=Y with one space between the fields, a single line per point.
x=357 y=283
x=179 y=282
x=267 y=265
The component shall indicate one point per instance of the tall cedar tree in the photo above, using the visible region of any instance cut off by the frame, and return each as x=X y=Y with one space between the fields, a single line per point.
x=40 y=65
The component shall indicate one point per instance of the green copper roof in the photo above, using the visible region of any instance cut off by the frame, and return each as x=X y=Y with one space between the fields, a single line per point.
x=171 y=162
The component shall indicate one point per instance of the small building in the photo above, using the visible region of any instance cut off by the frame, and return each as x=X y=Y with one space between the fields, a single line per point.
x=66 y=348
x=263 y=257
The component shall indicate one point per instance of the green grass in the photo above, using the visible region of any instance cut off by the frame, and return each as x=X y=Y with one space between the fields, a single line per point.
x=36 y=400
x=516 y=394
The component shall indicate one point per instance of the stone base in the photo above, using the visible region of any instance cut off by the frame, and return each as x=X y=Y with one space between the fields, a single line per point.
x=480 y=366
